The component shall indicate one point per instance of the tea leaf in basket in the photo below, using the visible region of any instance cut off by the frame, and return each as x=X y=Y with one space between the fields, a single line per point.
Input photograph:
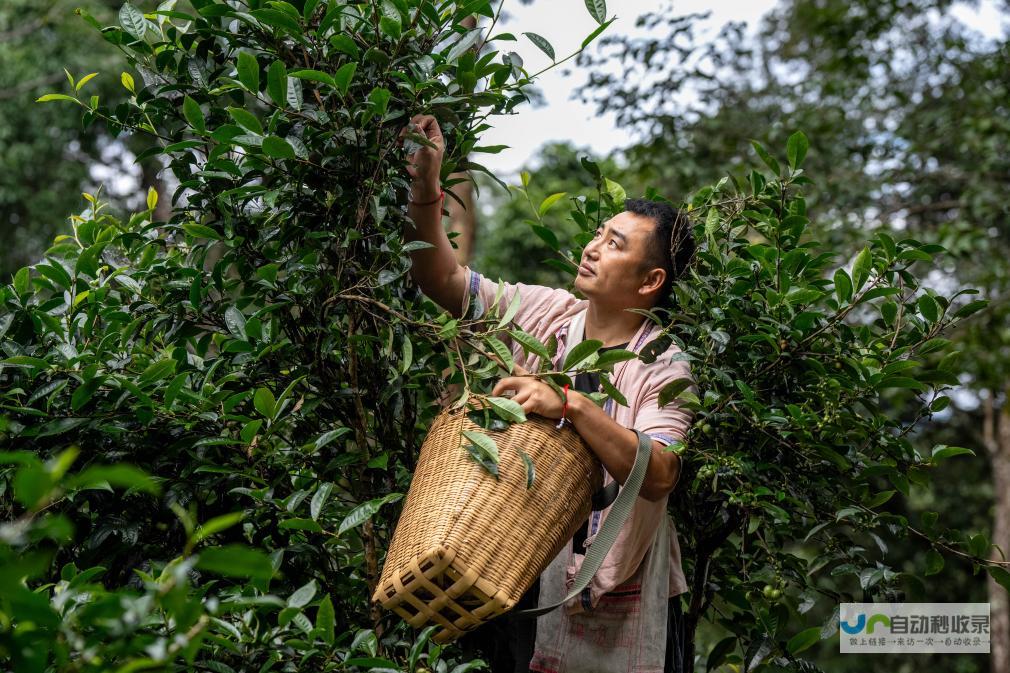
x=484 y=443
x=530 y=470
x=483 y=418
x=482 y=459
x=507 y=409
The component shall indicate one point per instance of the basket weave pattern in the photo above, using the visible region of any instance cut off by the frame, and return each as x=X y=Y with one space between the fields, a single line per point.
x=466 y=546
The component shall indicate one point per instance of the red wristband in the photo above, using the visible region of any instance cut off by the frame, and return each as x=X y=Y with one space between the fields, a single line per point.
x=441 y=195
x=564 y=410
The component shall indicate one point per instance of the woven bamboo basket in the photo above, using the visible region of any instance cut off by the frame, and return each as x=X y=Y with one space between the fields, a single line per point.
x=467 y=547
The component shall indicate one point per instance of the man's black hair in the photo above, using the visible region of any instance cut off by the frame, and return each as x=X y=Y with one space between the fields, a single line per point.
x=671 y=247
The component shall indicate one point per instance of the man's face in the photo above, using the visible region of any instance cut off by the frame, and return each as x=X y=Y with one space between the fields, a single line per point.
x=612 y=266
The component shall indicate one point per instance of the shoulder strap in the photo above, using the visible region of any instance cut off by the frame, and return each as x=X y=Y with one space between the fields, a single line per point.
x=607 y=534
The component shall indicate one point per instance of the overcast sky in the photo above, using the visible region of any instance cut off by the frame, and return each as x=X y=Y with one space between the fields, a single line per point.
x=565 y=23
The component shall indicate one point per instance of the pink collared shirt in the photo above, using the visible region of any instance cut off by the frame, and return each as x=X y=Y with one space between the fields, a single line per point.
x=545 y=311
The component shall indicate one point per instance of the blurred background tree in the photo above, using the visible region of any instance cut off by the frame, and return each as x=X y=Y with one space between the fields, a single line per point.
x=48 y=158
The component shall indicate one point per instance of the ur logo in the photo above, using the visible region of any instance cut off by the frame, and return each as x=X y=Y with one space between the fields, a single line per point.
x=861 y=623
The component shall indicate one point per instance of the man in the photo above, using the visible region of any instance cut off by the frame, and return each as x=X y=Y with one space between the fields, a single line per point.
x=629 y=616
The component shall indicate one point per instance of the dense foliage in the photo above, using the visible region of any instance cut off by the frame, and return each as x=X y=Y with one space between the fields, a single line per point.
x=252 y=356
x=212 y=418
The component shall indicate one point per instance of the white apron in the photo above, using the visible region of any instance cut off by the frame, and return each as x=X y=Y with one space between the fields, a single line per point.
x=625 y=632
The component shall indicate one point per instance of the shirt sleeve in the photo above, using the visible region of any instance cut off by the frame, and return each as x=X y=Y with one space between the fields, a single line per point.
x=671 y=422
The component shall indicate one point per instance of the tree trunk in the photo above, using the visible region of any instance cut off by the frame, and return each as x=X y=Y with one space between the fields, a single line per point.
x=150 y=178
x=996 y=431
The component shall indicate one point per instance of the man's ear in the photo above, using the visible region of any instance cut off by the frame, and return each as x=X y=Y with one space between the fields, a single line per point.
x=653 y=281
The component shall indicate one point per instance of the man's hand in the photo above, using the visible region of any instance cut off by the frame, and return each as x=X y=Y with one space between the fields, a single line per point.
x=533 y=395
x=424 y=164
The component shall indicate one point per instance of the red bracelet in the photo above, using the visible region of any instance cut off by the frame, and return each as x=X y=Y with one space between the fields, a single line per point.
x=441 y=195
x=564 y=410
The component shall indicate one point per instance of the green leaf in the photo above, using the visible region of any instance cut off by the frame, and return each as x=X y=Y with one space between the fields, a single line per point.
x=132 y=21
x=580 y=353
x=121 y=475
x=216 y=525
x=610 y=389
x=796 y=149
x=616 y=191
x=614 y=356
x=463 y=44
x=326 y=620
x=928 y=308
x=482 y=459
x=157 y=371
x=313 y=76
x=843 y=286
x=54 y=96
x=85 y=392
x=902 y=382
x=345 y=44
x=200 y=231
x=485 y=444
x=193 y=114
x=718 y=654
x=861 y=268
x=546 y=204
x=502 y=351
x=22 y=280
x=249 y=71
x=319 y=499
x=391 y=27
x=803 y=640
x=234 y=320
x=596 y=33
x=530 y=344
x=507 y=409
x=511 y=311
x=765 y=157
x=543 y=44
x=530 y=469
x=236 y=561
x=343 y=77
x=303 y=596
x=970 y=308
x=934 y=563
x=264 y=402
x=246 y=119
x=1001 y=575
x=379 y=98
x=546 y=235
x=280 y=20
x=942 y=452
x=365 y=511
x=597 y=9
x=278 y=148
x=277 y=83
x=671 y=390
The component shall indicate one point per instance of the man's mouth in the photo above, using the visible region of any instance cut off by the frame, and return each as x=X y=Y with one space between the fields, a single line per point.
x=586 y=270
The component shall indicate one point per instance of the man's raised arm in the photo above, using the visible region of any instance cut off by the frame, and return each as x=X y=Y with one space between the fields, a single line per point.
x=434 y=269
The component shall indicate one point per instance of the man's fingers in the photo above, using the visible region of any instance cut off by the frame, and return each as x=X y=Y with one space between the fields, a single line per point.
x=507 y=383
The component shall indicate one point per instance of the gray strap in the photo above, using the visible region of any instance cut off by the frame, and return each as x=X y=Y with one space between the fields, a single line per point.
x=607 y=534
